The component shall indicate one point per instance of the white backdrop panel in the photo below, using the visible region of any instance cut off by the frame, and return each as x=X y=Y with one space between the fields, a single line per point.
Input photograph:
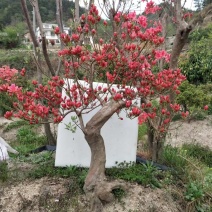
x=120 y=138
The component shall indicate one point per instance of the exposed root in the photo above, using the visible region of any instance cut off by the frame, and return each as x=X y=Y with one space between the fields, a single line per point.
x=102 y=194
x=104 y=191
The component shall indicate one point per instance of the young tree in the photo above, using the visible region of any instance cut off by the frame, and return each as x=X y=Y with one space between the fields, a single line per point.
x=126 y=63
x=155 y=141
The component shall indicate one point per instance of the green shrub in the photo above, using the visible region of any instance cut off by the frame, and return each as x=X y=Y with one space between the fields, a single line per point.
x=10 y=38
x=194 y=191
x=18 y=59
x=208 y=181
x=197 y=114
x=119 y=193
x=177 y=117
x=193 y=99
x=196 y=64
x=192 y=96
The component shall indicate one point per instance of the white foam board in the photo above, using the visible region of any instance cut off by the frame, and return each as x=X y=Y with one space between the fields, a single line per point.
x=120 y=138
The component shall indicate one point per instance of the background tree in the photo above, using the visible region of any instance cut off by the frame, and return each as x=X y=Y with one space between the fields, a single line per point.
x=10 y=38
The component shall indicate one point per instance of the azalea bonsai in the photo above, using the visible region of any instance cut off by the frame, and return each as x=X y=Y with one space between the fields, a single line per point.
x=126 y=63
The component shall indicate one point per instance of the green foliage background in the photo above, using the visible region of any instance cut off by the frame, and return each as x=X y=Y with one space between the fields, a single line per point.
x=11 y=13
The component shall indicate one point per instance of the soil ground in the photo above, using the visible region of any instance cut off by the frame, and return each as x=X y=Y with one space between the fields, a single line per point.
x=52 y=194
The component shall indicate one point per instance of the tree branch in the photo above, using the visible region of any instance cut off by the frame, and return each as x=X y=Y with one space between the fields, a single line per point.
x=29 y=23
x=102 y=116
x=183 y=30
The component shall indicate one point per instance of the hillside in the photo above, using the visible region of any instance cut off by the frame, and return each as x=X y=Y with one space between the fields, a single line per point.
x=11 y=13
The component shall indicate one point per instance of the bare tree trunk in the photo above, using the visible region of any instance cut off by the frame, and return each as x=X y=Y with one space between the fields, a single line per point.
x=96 y=174
x=164 y=32
x=59 y=13
x=97 y=189
x=50 y=138
x=150 y=137
x=59 y=18
x=155 y=143
x=157 y=148
x=183 y=30
x=29 y=23
x=43 y=37
x=77 y=11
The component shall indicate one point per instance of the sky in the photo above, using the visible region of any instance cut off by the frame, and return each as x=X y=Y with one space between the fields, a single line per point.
x=189 y=4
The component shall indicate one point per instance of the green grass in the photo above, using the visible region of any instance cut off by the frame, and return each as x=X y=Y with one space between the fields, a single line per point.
x=42 y=165
x=203 y=154
x=171 y=157
x=139 y=173
x=28 y=139
x=191 y=171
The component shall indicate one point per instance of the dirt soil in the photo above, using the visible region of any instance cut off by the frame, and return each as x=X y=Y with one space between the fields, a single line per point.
x=49 y=194
x=199 y=132
x=53 y=194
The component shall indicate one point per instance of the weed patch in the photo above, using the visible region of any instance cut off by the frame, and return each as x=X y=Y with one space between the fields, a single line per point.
x=140 y=173
x=3 y=171
x=201 y=153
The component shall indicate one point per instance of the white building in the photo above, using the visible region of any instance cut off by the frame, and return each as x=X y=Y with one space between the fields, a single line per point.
x=48 y=29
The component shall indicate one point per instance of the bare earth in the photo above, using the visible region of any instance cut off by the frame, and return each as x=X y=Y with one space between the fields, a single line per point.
x=33 y=196
x=30 y=196
x=199 y=132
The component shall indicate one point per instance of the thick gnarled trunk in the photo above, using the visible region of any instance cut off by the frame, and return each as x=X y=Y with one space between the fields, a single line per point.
x=98 y=160
x=97 y=188
x=96 y=174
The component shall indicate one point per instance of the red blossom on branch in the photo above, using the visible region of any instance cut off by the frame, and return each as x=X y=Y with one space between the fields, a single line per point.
x=124 y=67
